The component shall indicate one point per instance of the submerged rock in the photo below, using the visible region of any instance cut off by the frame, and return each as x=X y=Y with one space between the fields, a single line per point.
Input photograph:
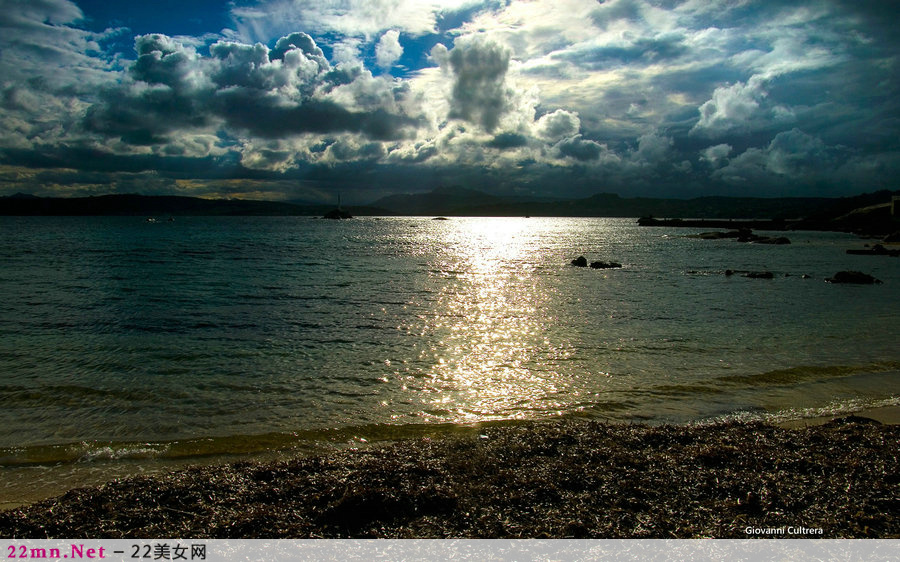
x=741 y=235
x=580 y=261
x=605 y=265
x=760 y=275
x=780 y=240
x=855 y=277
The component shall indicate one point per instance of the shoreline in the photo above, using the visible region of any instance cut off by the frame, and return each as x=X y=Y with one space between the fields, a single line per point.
x=549 y=479
x=886 y=415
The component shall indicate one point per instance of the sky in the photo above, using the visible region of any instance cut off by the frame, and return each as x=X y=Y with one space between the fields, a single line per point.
x=304 y=99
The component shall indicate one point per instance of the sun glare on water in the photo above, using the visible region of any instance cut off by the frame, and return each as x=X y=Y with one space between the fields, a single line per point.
x=488 y=352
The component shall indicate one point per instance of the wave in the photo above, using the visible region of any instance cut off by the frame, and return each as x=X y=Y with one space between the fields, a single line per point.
x=834 y=409
x=804 y=373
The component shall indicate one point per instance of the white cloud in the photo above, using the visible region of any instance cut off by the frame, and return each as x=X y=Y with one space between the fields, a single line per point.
x=388 y=50
x=716 y=155
x=740 y=107
x=354 y=18
x=557 y=125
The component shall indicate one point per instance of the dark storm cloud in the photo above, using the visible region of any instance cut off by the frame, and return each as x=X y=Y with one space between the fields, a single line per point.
x=146 y=116
x=479 y=87
x=579 y=148
x=265 y=117
x=508 y=140
x=90 y=159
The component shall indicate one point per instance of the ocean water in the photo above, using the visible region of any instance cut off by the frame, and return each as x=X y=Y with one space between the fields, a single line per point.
x=128 y=346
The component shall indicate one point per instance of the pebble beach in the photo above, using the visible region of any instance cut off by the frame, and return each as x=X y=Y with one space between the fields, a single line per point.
x=835 y=478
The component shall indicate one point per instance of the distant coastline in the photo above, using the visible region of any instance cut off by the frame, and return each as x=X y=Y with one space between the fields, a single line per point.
x=871 y=213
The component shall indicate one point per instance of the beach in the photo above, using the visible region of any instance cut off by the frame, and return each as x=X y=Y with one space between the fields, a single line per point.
x=552 y=479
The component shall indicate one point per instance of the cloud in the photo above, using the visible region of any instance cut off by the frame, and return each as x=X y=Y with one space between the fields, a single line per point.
x=557 y=125
x=349 y=149
x=505 y=141
x=740 y=106
x=290 y=90
x=653 y=148
x=652 y=97
x=388 y=50
x=580 y=149
x=360 y=18
x=715 y=155
x=615 y=10
x=479 y=81
x=791 y=156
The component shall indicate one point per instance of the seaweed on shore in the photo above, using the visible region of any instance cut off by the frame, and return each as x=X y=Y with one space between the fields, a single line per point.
x=573 y=478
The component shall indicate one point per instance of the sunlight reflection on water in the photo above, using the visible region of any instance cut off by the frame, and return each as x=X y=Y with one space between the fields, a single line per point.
x=490 y=352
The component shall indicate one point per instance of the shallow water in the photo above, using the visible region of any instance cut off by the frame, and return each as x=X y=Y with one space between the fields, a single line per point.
x=126 y=344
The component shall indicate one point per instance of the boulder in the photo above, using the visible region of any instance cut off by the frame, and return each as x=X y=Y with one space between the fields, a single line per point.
x=605 y=265
x=855 y=277
x=580 y=261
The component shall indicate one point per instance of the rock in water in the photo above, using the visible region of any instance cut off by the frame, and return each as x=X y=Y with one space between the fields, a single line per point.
x=580 y=261
x=856 y=277
x=605 y=265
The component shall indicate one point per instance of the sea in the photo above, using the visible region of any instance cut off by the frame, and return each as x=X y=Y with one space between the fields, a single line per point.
x=130 y=347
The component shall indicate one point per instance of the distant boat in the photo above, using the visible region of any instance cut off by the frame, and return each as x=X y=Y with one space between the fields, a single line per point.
x=339 y=213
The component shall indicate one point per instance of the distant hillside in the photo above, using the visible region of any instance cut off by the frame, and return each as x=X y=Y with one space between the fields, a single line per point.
x=147 y=205
x=868 y=213
x=442 y=201
x=467 y=202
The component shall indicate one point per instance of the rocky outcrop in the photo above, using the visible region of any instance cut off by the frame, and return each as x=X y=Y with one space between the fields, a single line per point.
x=876 y=250
x=580 y=261
x=854 y=277
x=741 y=235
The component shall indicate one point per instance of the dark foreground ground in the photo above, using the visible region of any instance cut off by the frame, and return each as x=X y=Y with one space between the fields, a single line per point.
x=564 y=479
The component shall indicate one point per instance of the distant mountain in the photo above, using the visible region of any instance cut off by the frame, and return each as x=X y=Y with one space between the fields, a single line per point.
x=441 y=201
x=867 y=213
x=467 y=202
x=149 y=205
